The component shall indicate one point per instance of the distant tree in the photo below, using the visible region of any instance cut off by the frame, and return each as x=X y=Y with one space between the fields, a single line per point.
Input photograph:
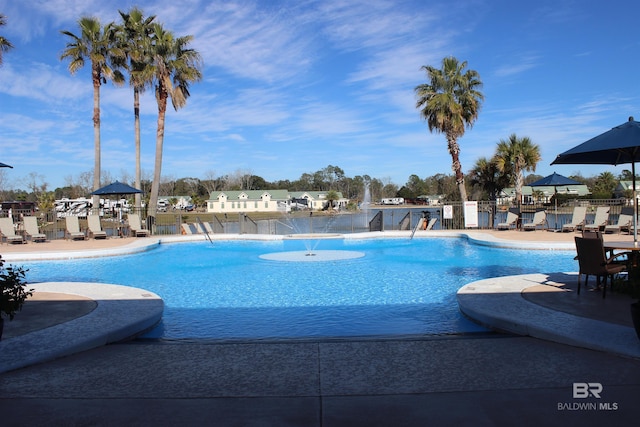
x=626 y=175
x=416 y=186
x=514 y=156
x=389 y=190
x=604 y=186
x=97 y=45
x=5 y=45
x=406 y=193
x=450 y=102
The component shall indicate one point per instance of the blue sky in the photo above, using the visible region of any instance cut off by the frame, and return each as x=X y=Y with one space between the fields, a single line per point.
x=293 y=86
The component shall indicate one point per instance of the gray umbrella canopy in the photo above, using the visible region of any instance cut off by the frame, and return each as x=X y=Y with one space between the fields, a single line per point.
x=116 y=188
x=620 y=145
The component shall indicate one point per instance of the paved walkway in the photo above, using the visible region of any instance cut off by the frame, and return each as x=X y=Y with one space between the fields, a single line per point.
x=477 y=379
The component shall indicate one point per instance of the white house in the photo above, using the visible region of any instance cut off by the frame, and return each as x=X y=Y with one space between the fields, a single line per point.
x=248 y=201
x=318 y=199
x=269 y=201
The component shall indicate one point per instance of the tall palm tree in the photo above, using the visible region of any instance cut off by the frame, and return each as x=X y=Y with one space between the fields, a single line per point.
x=5 y=45
x=97 y=45
x=450 y=102
x=175 y=67
x=516 y=155
x=135 y=36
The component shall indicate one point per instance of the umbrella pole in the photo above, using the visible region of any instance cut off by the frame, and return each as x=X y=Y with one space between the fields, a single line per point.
x=635 y=205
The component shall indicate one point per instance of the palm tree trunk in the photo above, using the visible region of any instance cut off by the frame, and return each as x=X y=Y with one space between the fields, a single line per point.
x=518 y=184
x=95 y=74
x=155 y=185
x=136 y=113
x=454 y=150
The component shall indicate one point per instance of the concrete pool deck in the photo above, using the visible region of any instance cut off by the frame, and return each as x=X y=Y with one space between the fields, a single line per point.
x=500 y=378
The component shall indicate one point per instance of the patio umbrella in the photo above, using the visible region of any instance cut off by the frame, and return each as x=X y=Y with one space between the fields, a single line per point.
x=554 y=180
x=116 y=188
x=4 y=165
x=620 y=145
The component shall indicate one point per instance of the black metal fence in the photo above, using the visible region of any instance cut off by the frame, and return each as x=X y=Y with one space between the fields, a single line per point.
x=450 y=216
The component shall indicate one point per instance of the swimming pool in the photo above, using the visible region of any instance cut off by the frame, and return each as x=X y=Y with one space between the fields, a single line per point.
x=226 y=290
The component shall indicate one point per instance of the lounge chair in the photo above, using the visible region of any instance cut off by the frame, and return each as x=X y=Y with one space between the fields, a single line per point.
x=539 y=220
x=31 y=229
x=94 y=227
x=624 y=221
x=187 y=228
x=577 y=219
x=199 y=227
x=511 y=222
x=135 y=226
x=600 y=220
x=592 y=260
x=8 y=231
x=73 y=228
x=208 y=227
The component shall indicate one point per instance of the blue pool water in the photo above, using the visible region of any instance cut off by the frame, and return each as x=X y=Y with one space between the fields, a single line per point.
x=226 y=290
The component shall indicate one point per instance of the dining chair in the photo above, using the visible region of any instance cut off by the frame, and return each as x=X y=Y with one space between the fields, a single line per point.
x=592 y=260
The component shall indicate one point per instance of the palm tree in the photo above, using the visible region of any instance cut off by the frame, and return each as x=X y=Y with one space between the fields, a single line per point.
x=450 y=102
x=135 y=35
x=97 y=45
x=516 y=155
x=487 y=176
x=174 y=67
x=5 y=45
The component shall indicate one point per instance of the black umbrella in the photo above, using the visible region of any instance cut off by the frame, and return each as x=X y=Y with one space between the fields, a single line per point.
x=617 y=146
x=554 y=180
x=4 y=165
x=116 y=188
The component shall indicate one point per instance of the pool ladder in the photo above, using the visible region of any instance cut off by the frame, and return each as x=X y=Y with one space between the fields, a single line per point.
x=204 y=229
x=420 y=222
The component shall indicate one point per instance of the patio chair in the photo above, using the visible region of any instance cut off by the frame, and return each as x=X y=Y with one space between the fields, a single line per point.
x=600 y=220
x=624 y=221
x=539 y=220
x=94 y=228
x=510 y=222
x=187 y=228
x=592 y=260
x=208 y=227
x=73 y=228
x=136 y=226
x=31 y=229
x=8 y=231
x=577 y=219
x=592 y=234
x=431 y=223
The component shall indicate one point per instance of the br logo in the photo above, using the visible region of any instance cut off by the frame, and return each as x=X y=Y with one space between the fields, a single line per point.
x=584 y=390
